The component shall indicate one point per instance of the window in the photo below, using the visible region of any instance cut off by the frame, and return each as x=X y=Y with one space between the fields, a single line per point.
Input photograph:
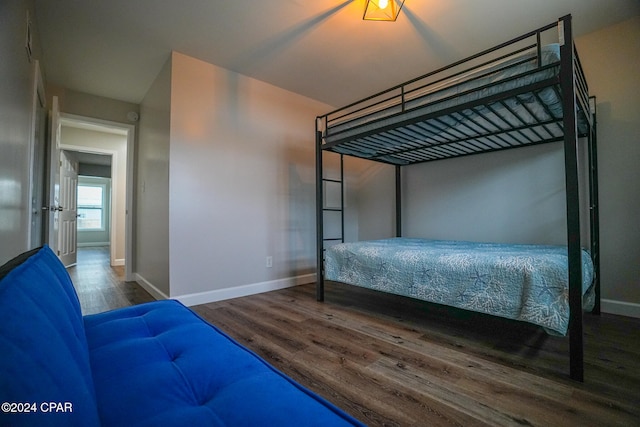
x=91 y=209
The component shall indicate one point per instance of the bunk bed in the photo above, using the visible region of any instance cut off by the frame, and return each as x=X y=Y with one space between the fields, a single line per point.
x=527 y=91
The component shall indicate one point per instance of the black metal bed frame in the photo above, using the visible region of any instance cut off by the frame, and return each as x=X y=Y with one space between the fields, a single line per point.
x=388 y=127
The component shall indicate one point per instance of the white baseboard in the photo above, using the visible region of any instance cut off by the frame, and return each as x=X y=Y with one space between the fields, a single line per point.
x=149 y=287
x=241 y=291
x=118 y=262
x=620 y=308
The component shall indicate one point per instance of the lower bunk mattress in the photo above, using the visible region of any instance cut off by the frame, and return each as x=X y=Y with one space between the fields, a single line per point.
x=522 y=282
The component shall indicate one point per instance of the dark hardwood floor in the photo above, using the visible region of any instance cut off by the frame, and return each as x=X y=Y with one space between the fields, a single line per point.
x=393 y=361
x=101 y=287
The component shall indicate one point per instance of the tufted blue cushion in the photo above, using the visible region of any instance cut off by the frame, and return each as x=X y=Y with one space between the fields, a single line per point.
x=156 y=364
x=43 y=350
x=160 y=364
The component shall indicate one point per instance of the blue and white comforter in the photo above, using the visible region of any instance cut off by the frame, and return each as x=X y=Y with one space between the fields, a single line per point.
x=522 y=282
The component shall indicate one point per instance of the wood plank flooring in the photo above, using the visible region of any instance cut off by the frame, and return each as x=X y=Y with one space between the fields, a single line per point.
x=393 y=361
x=101 y=287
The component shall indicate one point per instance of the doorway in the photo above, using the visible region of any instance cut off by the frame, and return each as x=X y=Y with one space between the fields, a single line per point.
x=99 y=144
x=90 y=210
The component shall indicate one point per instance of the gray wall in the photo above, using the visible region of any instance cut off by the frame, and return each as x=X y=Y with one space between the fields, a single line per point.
x=611 y=59
x=376 y=211
x=241 y=183
x=94 y=170
x=152 y=184
x=16 y=97
x=513 y=196
x=83 y=104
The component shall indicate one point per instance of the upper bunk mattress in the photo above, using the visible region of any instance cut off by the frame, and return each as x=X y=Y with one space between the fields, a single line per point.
x=521 y=282
x=495 y=78
x=437 y=107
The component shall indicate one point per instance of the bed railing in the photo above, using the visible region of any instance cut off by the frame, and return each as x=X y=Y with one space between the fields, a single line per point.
x=397 y=100
x=397 y=95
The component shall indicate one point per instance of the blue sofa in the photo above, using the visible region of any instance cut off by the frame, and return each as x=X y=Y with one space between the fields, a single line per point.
x=155 y=364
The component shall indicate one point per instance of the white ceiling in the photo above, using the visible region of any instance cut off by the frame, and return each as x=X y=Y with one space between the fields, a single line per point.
x=318 y=48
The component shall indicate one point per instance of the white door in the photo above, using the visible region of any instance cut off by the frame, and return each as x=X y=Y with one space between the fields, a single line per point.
x=38 y=159
x=38 y=189
x=53 y=178
x=68 y=211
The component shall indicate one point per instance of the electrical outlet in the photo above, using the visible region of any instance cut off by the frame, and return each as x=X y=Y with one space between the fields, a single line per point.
x=269 y=262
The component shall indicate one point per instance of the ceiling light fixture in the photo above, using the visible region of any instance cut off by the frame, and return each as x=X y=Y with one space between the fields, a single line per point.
x=382 y=10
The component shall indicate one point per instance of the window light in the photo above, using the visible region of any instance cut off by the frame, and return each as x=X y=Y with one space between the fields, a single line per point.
x=382 y=10
x=91 y=206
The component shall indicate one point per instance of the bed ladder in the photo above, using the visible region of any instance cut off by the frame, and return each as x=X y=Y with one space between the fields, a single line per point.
x=321 y=209
x=339 y=208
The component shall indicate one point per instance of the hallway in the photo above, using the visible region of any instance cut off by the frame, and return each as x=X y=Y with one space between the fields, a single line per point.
x=101 y=287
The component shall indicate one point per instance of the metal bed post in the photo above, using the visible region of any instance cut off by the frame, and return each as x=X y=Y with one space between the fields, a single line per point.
x=593 y=192
x=567 y=84
x=342 y=198
x=319 y=219
x=398 y=201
